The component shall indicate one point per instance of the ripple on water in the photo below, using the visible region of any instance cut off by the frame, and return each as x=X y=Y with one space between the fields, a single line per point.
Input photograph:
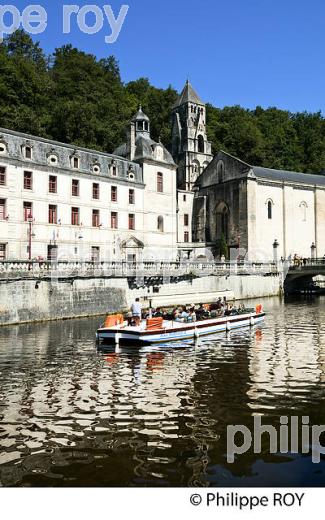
x=156 y=416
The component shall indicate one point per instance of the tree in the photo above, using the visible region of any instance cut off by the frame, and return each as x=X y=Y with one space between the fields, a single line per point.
x=73 y=97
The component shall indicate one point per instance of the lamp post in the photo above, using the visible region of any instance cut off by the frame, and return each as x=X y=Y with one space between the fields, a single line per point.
x=275 y=251
x=313 y=251
x=30 y=237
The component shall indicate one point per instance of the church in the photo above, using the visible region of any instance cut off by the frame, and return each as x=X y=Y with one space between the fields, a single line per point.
x=61 y=202
x=240 y=210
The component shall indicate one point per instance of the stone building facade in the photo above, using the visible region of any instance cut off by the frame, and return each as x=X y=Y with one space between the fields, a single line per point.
x=63 y=202
x=142 y=202
x=263 y=214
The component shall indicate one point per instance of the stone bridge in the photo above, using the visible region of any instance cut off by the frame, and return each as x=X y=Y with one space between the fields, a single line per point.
x=299 y=274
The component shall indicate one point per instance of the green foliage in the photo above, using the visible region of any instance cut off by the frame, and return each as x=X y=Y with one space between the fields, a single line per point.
x=73 y=97
x=223 y=247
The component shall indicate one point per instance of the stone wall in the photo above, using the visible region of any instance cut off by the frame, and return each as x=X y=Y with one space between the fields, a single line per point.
x=30 y=301
x=22 y=301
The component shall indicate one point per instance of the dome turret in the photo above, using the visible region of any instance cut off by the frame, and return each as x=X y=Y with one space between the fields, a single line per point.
x=141 y=122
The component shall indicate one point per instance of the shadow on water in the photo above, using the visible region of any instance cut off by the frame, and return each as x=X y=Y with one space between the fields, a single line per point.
x=72 y=415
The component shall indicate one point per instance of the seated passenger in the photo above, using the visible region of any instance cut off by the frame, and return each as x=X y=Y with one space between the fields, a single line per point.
x=184 y=314
x=158 y=313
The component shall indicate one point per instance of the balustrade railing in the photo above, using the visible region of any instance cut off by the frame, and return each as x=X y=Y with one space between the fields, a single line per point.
x=122 y=269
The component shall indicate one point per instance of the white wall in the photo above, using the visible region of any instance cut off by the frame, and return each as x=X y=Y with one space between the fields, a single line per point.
x=294 y=234
x=160 y=245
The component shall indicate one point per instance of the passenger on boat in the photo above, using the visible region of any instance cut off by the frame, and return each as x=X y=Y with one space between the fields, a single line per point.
x=191 y=314
x=184 y=314
x=136 y=309
x=158 y=313
x=202 y=313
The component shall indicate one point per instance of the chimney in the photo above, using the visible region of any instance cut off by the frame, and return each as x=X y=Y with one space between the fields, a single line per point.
x=131 y=142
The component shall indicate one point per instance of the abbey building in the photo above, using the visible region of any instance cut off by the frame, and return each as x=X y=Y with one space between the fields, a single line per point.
x=143 y=202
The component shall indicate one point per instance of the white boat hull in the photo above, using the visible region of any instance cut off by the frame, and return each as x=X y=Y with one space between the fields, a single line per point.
x=177 y=331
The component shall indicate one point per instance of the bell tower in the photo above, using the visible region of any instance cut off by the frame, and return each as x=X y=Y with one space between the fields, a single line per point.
x=191 y=149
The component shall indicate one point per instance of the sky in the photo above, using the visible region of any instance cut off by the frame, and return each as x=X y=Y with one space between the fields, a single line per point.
x=235 y=52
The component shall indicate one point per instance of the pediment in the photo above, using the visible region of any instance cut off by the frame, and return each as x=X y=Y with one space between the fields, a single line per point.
x=132 y=243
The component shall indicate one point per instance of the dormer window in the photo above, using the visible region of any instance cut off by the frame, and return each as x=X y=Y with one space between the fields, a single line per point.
x=75 y=162
x=114 y=170
x=28 y=152
x=3 y=148
x=96 y=168
x=52 y=160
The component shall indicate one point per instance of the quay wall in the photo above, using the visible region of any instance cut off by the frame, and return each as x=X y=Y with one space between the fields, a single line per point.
x=31 y=300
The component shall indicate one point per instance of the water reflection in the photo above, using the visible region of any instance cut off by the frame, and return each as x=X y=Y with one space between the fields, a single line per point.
x=73 y=416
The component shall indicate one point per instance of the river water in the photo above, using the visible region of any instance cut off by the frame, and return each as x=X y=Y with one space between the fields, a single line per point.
x=71 y=415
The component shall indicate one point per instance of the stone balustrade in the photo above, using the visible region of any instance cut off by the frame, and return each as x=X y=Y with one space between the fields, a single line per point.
x=66 y=269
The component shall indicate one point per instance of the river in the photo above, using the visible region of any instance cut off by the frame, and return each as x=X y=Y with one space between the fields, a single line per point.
x=71 y=415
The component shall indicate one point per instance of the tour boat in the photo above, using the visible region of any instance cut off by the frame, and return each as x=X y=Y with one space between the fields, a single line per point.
x=156 y=330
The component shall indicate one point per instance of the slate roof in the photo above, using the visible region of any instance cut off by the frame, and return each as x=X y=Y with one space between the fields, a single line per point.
x=287 y=176
x=144 y=149
x=140 y=116
x=188 y=95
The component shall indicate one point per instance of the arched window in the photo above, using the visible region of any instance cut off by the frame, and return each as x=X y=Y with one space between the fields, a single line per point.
x=200 y=142
x=220 y=171
x=222 y=221
x=269 y=209
x=160 y=224
x=303 y=208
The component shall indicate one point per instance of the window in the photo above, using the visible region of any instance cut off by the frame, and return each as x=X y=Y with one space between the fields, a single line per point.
x=221 y=171
x=114 y=220
x=160 y=224
x=28 y=152
x=2 y=209
x=160 y=182
x=131 y=197
x=75 y=162
x=95 y=254
x=52 y=160
x=96 y=219
x=53 y=214
x=96 y=191
x=303 y=209
x=114 y=170
x=28 y=181
x=2 y=176
x=186 y=220
x=3 y=252
x=96 y=168
x=75 y=188
x=269 y=210
x=52 y=253
x=131 y=221
x=114 y=194
x=3 y=148
x=184 y=198
x=75 y=217
x=200 y=142
x=53 y=184
x=186 y=237
x=28 y=211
